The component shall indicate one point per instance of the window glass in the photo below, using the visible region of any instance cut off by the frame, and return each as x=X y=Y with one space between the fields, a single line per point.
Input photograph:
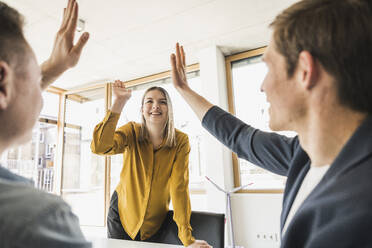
x=51 y=106
x=252 y=108
x=83 y=177
x=35 y=160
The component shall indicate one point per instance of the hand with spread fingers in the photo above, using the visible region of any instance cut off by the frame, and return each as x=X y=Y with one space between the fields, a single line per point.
x=199 y=244
x=65 y=54
x=120 y=91
x=121 y=94
x=198 y=103
x=178 y=62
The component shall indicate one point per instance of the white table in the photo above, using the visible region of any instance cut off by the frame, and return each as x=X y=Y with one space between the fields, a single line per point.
x=117 y=243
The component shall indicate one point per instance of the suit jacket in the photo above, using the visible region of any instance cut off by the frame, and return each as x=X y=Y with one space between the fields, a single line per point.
x=338 y=212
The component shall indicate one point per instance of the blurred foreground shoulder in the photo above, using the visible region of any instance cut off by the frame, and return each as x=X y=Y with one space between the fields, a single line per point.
x=33 y=218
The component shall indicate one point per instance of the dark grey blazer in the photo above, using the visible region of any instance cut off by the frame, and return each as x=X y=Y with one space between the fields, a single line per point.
x=338 y=212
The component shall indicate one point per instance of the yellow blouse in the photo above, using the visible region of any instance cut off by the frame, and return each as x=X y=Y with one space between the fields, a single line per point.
x=148 y=178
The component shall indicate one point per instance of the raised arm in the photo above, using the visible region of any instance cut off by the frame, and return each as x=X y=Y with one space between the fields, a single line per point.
x=268 y=150
x=121 y=94
x=198 y=103
x=106 y=139
x=65 y=54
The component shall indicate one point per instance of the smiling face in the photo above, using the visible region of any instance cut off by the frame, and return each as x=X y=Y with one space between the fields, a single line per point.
x=155 y=108
x=287 y=103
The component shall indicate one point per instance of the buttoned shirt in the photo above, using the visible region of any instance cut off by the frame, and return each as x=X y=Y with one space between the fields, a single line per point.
x=149 y=178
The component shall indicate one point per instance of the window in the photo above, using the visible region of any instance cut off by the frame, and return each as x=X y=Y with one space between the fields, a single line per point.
x=250 y=106
x=83 y=173
x=50 y=107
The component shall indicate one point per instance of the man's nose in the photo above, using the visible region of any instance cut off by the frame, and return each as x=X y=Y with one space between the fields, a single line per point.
x=262 y=87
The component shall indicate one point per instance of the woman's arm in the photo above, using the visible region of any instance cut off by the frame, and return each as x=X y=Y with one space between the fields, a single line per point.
x=121 y=94
x=107 y=140
x=179 y=190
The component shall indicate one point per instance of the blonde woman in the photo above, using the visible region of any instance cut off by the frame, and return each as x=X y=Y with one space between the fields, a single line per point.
x=155 y=169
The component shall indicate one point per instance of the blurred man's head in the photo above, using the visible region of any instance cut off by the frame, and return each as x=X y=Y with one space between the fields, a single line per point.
x=20 y=93
x=333 y=36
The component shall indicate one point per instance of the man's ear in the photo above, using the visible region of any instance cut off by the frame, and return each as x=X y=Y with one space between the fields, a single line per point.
x=307 y=70
x=5 y=85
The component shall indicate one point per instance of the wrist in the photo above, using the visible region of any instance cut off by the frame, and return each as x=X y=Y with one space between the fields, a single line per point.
x=50 y=72
x=183 y=89
x=50 y=69
x=118 y=105
x=121 y=100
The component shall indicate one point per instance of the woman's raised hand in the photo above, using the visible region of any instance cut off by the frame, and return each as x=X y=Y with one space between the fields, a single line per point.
x=178 y=63
x=120 y=91
x=121 y=95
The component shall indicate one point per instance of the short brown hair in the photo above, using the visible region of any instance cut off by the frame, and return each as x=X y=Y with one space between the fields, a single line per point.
x=338 y=33
x=13 y=45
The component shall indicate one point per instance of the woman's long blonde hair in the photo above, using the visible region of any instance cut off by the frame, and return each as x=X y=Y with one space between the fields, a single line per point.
x=169 y=131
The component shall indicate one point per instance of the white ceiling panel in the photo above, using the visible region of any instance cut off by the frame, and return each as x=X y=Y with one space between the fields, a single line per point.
x=116 y=17
x=131 y=39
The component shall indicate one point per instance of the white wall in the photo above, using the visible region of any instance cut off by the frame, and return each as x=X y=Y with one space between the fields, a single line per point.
x=257 y=219
x=216 y=157
x=256 y=216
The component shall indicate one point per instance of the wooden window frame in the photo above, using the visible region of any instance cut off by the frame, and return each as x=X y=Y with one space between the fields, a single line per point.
x=59 y=92
x=230 y=95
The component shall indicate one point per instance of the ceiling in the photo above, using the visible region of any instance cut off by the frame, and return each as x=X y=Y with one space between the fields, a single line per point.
x=132 y=39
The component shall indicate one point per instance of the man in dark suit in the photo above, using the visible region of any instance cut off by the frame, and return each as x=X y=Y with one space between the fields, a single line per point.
x=319 y=85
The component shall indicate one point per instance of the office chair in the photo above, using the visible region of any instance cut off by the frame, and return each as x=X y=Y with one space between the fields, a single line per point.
x=206 y=226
